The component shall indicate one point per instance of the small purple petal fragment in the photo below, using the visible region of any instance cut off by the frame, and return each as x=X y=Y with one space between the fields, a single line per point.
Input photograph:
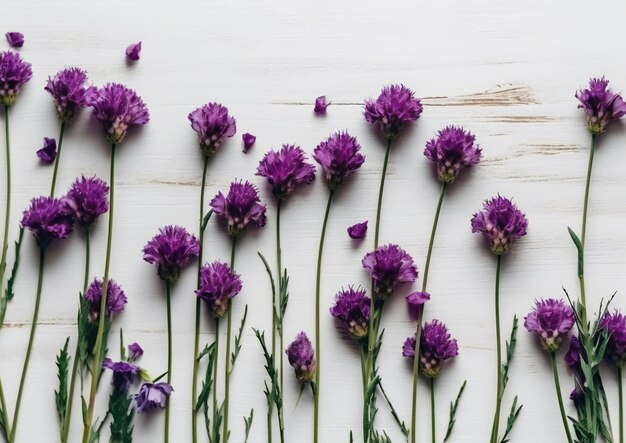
x=572 y=356
x=133 y=51
x=134 y=351
x=415 y=301
x=15 y=39
x=248 y=141
x=48 y=152
x=321 y=104
x=358 y=231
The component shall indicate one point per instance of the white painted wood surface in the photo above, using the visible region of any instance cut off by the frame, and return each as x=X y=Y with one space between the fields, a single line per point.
x=505 y=70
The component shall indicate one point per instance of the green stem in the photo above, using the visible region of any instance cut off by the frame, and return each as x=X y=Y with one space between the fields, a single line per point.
x=31 y=339
x=168 y=296
x=57 y=160
x=381 y=190
x=621 y=405
x=275 y=310
x=194 y=379
x=583 y=236
x=500 y=386
x=433 y=428
x=228 y=333
x=97 y=360
x=215 y=373
x=7 y=214
x=557 y=385
x=5 y=413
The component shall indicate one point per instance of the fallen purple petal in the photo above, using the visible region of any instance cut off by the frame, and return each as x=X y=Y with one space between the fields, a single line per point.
x=358 y=231
x=321 y=104
x=133 y=51
x=48 y=152
x=15 y=39
x=248 y=141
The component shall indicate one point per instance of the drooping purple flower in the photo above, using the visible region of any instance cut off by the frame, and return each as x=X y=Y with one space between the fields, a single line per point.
x=240 y=207
x=213 y=125
x=15 y=39
x=46 y=220
x=501 y=223
x=452 y=151
x=133 y=51
x=338 y=156
x=395 y=106
x=70 y=92
x=601 y=105
x=218 y=284
x=171 y=249
x=285 y=169
x=415 y=301
x=116 y=298
x=153 y=396
x=48 y=152
x=572 y=356
x=124 y=373
x=358 y=231
x=248 y=141
x=14 y=73
x=615 y=326
x=321 y=104
x=301 y=357
x=388 y=266
x=550 y=319
x=87 y=199
x=436 y=346
x=134 y=351
x=118 y=108
x=352 y=309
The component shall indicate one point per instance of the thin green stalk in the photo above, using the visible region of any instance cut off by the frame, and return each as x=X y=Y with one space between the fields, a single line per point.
x=227 y=369
x=621 y=404
x=194 y=379
x=31 y=339
x=7 y=214
x=168 y=296
x=275 y=309
x=5 y=413
x=215 y=373
x=57 y=160
x=97 y=360
x=500 y=385
x=557 y=385
x=433 y=428
x=381 y=190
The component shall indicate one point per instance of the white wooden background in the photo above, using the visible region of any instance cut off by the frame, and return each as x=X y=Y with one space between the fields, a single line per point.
x=505 y=70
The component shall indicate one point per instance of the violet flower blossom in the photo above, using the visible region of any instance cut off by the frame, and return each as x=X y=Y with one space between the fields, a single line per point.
x=14 y=74
x=338 y=156
x=171 y=249
x=240 y=208
x=118 y=108
x=301 y=357
x=70 y=92
x=352 y=309
x=436 y=347
x=388 y=266
x=124 y=373
x=116 y=298
x=285 y=170
x=87 y=199
x=46 y=220
x=452 y=151
x=550 y=319
x=153 y=396
x=395 y=106
x=213 y=125
x=218 y=284
x=615 y=326
x=601 y=105
x=501 y=223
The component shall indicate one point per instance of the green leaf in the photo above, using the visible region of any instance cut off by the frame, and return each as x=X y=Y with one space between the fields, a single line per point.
x=205 y=220
x=203 y=397
x=401 y=424
x=453 y=407
x=579 y=248
x=122 y=348
x=248 y=424
x=122 y=413
x=16 y=263
x=510 y=349
x=513 y=414
x=238 y=338
x=60 y=395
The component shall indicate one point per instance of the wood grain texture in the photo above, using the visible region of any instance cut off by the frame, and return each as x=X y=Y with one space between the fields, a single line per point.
x=505 y=70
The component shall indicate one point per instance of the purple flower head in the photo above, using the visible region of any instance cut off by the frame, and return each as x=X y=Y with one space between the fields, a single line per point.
x=338 y=156
x=133 y=51
x=358 y=231
x=123 y=373
x=116 y=298
x=153 y=396
x=352 y=308
x=134 y=351
x=436 y=346
x=46 y=220
x=218 y=284
x=388 y=266
x=48 y=152
x=453 y=150
x=213 y=125
x=240 y=207
x=601 y=105
x=572 y=356
x=285 y=169
x=394 y=106
x=615 y=326
x=415 y=301
x=87 y=200
x=248 y=141
x=501 y=223
x=550 y=319
x=70 y=93
x=171 y=249
x=321 y=104
x=15 y=39
x=118 y=108
x=14 y=73
x=301 y=357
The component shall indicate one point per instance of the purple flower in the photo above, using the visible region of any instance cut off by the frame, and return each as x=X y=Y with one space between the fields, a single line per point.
x=70 y=93
x=132 y=52
x=501 y=223
x=152 y=396
x=615 y=326
x=338 y=156
x=388 y=266
x=285 y=169
x=572 y=356
x=134 y=351
x=118 y=108
x=415 y=301
x=240 y=207
x=550 y=319
x=116 y=298
x=171 y=249
x=436 y=346
x=87 y=200
x=15 y=39
x=358 y=231
x=601 y=105
x=48 y=152
x=14 y=73
x=321 y=104
x=248 y=141
x=301 y=357
x=46 y=220
x=218 y=284
x=453 y=150
x=123 y=373
x=352 y=308
x=394 y=106
x=213 y=125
